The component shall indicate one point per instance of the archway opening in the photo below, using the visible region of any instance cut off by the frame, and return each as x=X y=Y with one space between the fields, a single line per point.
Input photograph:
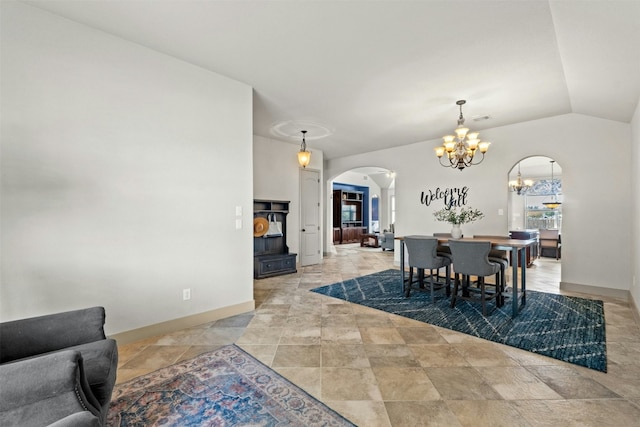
x=363 y=202
x=536 y=210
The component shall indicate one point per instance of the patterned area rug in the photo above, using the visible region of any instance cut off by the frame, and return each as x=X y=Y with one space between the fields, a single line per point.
x=226 y=387
x=566 y=328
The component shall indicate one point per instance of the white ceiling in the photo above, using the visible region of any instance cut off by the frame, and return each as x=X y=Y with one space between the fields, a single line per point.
x=367 y=75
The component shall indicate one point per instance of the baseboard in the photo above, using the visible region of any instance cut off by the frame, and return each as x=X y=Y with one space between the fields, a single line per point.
x=634 y=309
x=596 y=290
x=183 y=323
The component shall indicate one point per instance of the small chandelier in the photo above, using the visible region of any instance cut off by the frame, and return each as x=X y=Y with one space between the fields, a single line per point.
x=520 y=185
x=304 y=156
x=460 y=152
x=555 y=204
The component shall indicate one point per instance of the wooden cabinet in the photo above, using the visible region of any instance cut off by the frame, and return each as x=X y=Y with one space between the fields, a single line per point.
x=347 y=216
x=352 y=234
x=271 y=255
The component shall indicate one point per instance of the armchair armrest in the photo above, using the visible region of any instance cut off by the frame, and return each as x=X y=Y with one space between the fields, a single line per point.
x=37 y=335
x=45 y=389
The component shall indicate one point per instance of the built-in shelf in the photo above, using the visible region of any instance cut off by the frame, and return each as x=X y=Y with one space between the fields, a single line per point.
x=347 y=216
x=271 y=256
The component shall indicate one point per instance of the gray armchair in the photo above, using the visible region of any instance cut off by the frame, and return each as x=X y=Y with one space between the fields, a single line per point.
x=386 y=240
x=57 y=369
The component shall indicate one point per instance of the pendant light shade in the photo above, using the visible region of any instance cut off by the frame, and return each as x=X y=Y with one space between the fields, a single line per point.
x=304 y=156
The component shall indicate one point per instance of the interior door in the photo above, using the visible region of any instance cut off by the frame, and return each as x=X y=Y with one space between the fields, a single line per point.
x=309 y=217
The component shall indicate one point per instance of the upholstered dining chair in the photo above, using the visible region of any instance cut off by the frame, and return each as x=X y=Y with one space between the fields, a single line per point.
x=443 y=250
x=550 y=242
x=497 y=255
x=422 y=255
x=471 y=258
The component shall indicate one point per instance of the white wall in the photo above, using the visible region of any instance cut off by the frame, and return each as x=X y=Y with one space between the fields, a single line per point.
x=114 y=161
x=635 y=188
x=596 y=208
x=277 y=177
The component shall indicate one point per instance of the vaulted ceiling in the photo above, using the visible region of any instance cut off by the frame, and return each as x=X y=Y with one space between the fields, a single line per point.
x=367 y=75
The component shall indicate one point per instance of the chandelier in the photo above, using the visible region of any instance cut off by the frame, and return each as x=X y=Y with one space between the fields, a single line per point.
x=520 y=185
x=460 y=152
x=555 y=204
x=304 y=156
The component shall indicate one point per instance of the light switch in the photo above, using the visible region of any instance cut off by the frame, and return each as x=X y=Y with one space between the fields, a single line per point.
x=238 y=210
x=500 y=211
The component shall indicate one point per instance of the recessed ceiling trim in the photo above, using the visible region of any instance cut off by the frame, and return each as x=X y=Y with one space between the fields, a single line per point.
x=292 y=128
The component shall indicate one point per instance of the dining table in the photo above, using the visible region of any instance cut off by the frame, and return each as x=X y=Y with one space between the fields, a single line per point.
x=516 y=247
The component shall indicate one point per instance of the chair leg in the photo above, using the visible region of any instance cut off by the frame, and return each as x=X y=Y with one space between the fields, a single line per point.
x=432 y=286
x=465 y=285
x=501 y=283
x=482 y=295
x=407 y=289
x=447 y=271
x=456 y=282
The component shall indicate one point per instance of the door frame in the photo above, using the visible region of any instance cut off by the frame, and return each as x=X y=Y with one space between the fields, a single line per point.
x=320 y=230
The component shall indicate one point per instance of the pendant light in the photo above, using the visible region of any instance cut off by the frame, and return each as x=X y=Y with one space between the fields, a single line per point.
x=304 y=156
x=555 y=204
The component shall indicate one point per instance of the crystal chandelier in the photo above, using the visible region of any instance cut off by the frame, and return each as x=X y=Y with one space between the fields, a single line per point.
x=520 y=185
x=304 y=156
x=460 y=152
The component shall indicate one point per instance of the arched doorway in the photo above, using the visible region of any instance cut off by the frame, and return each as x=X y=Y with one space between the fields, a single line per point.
x=536 y=209
x=533 y=207
x=362 y=201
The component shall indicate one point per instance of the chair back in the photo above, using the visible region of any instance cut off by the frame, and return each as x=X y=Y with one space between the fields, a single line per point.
x=549 y=234
x=549 y=238
x=421 y=251
x=471 y=257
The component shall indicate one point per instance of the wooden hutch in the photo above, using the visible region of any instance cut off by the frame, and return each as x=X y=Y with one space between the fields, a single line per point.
x=271 y=255
x=348 y=226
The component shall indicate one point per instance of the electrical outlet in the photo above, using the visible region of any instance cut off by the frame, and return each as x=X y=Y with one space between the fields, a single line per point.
x=186 y=294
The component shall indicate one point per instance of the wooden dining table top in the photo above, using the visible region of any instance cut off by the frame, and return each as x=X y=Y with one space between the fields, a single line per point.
x=496 y=242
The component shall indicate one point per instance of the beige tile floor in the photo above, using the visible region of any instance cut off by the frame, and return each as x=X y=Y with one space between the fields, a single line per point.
x=378 y=369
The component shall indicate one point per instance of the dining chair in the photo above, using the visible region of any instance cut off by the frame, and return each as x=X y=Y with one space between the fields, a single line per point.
x=550 y=242
x=422 y=255
x=496 y=255
x=471 y=258
x=443 y=250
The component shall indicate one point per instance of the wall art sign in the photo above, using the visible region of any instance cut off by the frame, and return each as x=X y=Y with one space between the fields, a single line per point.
x=450 y=197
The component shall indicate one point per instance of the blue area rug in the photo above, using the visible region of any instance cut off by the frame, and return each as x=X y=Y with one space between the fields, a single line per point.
x=566 y=328
x=226 y=387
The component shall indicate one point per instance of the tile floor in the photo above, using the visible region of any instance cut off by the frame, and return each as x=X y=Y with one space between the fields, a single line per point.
x=378 y=369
